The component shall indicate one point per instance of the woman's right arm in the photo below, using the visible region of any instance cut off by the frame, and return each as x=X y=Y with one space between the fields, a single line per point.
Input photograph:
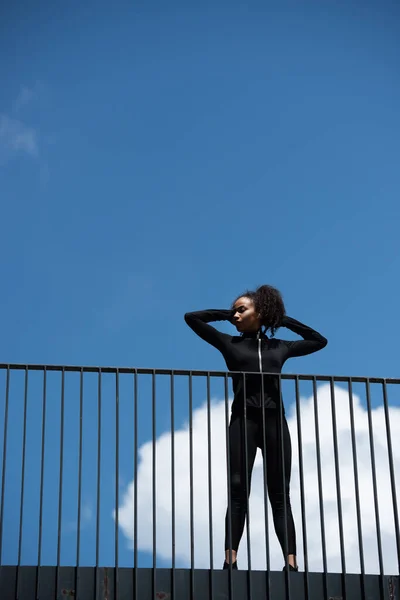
x=199 y=322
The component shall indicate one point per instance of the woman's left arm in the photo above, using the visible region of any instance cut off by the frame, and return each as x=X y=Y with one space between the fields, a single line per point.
x=312 y=340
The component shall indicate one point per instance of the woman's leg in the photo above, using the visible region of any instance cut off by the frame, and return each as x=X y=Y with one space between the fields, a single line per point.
x=279 y=486
x=238 y=478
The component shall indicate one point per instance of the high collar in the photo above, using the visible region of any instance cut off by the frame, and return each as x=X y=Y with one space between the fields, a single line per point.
x=254 y=335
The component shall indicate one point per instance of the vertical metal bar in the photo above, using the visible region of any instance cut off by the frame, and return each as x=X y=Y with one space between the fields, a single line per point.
x=116 y=572
x=356 y=487
x=78 y=537
x=249 y=579
x=61 y=480
x=135 y=491
x=285 y=508
x=320 y=492
x=96 y=571
x=41 y=486
x=302 y=495
x=374 y=486
x=154 y=433
x=266 y=522
x=338 y=490
x=391 y=470
x=173 y=597
x=228 y=469
x=3 y=474
x=21 y=512
x=210 y=512
x=191 y=486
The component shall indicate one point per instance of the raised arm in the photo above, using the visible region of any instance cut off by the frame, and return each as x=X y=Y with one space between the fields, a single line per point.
x=312 y=340
x=199 y=322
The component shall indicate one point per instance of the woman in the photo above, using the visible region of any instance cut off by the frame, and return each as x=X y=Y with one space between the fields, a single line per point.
x=253 y=314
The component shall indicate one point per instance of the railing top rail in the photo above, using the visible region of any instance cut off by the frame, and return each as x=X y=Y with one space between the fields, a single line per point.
x=192 y=372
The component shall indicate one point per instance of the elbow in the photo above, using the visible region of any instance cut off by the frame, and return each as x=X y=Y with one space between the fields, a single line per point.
x=324 y=342
x=188 y=317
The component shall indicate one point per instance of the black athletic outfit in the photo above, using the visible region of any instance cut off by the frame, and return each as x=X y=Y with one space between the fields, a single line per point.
x=256 y=353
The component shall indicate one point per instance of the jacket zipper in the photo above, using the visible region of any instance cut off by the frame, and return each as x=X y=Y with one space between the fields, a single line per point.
x=260 y=364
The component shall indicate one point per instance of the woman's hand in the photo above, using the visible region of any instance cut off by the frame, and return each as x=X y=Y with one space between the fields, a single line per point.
x=231 y=315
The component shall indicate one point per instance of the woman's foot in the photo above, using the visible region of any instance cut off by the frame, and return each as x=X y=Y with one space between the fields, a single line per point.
x=291 y=568
x=234 y=565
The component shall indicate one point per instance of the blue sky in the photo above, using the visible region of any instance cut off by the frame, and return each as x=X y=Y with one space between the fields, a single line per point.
x=160 y=158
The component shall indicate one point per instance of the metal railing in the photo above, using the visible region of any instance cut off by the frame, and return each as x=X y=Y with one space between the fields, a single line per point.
x=127 y=467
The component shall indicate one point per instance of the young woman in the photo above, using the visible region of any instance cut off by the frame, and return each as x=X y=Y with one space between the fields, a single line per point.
x=253 y=314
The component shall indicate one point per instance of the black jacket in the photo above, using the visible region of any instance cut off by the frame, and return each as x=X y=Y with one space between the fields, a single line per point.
x=254 y=353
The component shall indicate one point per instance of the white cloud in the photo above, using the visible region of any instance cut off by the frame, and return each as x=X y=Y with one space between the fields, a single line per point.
x=16 y=138
x=219 y=490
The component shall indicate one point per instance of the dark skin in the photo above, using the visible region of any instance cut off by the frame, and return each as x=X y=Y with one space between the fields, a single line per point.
x=246 y=319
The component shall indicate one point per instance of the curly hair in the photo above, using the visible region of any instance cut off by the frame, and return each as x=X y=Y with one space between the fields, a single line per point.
x=269 y=304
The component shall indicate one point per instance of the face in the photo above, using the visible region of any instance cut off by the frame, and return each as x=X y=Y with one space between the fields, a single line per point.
x=245 y=317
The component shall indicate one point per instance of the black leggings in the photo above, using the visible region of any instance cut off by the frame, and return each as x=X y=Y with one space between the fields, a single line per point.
x=275 y=486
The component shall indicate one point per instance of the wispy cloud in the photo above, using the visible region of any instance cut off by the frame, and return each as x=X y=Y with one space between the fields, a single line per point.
x=86 y=518
x=24 y=98
x=17 y=138
x=29 y=96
